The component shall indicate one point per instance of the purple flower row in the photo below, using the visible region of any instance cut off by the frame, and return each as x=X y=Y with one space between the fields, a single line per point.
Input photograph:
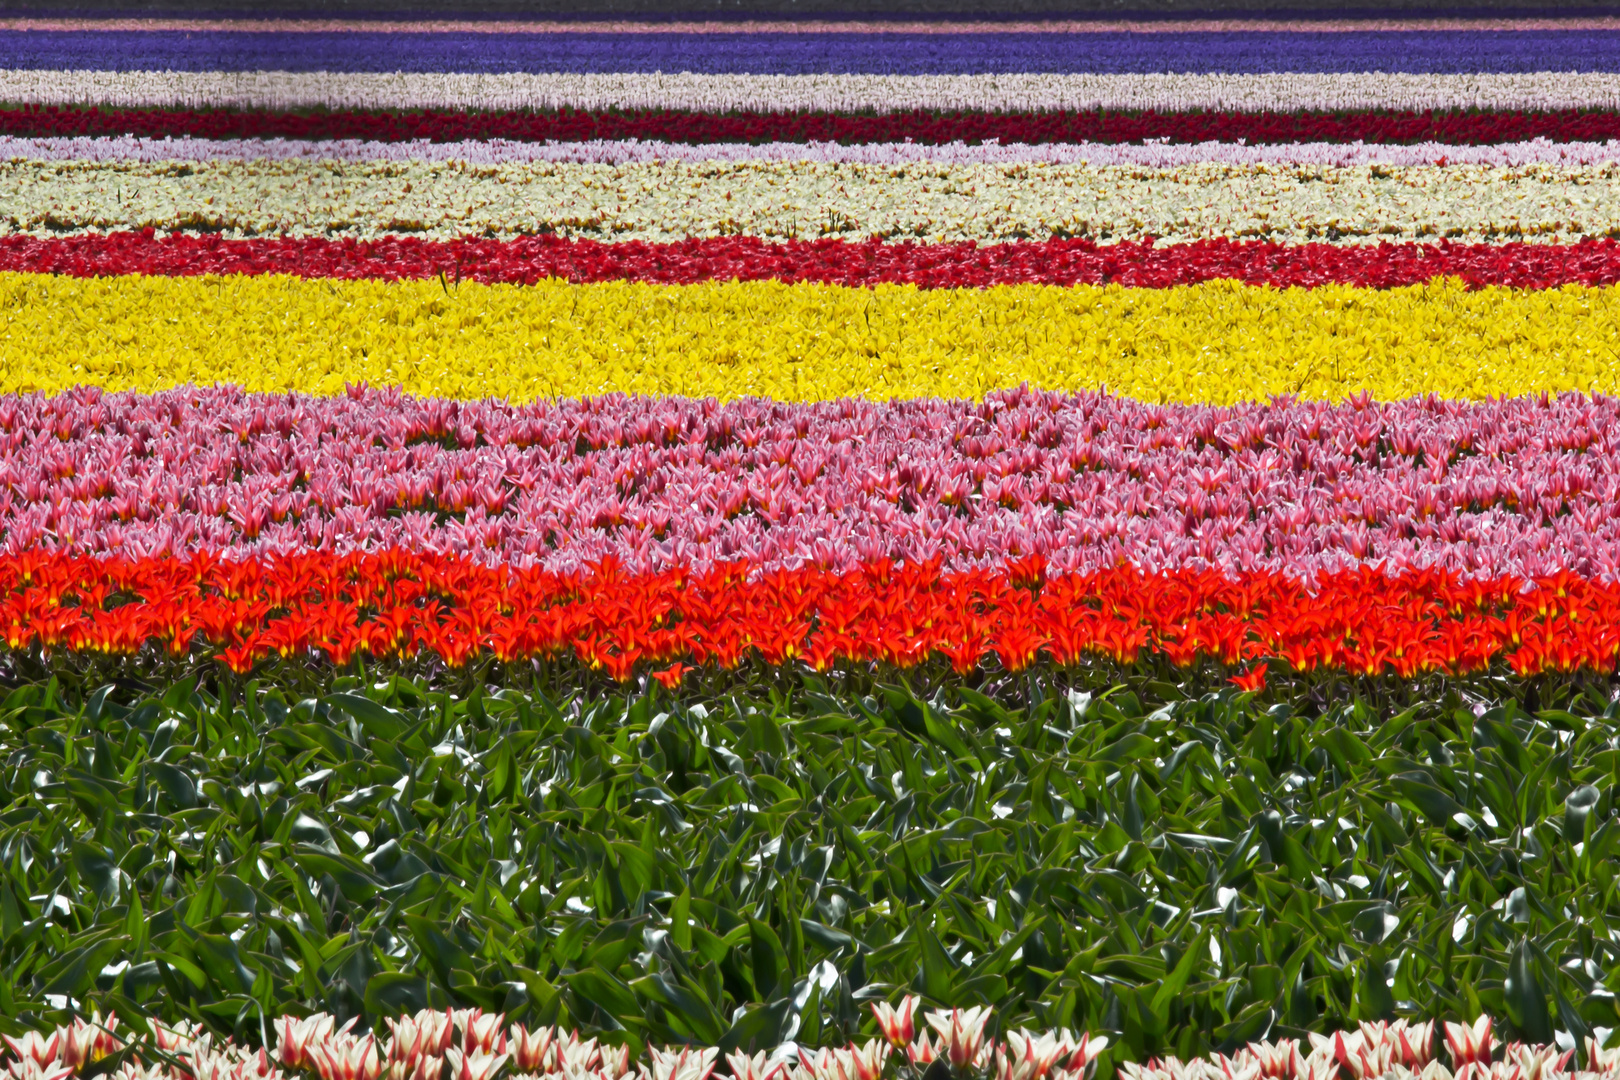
x=1226 y=52
x=629 y=151
x=1519 y=486
x=810 y=26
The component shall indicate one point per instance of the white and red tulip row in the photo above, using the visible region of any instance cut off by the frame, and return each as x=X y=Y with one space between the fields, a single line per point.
x=469 y=1044
x=1268 y=92
x=1521 y=487
x=1155 y=155
x=1390 y=1051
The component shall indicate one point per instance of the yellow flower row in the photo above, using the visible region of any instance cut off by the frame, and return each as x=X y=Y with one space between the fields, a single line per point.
x=1220 y=342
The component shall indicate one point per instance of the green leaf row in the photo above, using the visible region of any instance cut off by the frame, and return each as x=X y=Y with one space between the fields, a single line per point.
x=1182 y=871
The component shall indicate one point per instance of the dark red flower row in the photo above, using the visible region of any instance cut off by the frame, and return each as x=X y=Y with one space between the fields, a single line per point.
x=397 y=603
x=962 y=265
x=569 y=125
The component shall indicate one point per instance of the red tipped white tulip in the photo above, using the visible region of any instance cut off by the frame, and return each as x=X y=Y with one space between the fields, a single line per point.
x=481 y=1032
x=898 y=1024
x=86 y=1042
x=757 y=1067
x=342 y=1058
x=532 y=1051
x=683 y=1064
x=615 y=1061
x=921 y=1053
x=1027 y=1056
x=475 y=1065
x=870 y=1058
x=36 y=1048
x=29 y=1069
x=296 y=1038
x=961 y=1035
x=178 y=1038
x=1536 y=1062
x=422 y=1067
x=1470 y=1044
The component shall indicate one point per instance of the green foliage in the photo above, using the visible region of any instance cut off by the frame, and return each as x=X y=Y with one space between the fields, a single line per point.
x=1183 y=872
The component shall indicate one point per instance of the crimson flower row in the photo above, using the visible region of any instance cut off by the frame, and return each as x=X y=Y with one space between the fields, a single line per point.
x=1518 y=486
x=529 y=259
x=395 y=603
x=571 y=125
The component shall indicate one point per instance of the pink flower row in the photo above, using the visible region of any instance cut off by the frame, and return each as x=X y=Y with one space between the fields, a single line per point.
x=1523 y=487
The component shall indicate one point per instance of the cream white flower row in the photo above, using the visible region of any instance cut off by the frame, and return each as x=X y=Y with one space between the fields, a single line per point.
x=670 y=201
x=1157 y=155
x=882 y=93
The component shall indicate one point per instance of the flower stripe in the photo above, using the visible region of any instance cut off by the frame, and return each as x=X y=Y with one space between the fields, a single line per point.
x=530 y=259
x=1275 y=92
x=1087 y=482
x=925 y=127
x=818 y=52
x=1216 y=342
x=944 y=26
x=671 y=201
x=395 y=603
x=634 y=151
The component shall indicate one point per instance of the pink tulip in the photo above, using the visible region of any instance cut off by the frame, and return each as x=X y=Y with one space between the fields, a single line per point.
x=1519 y=487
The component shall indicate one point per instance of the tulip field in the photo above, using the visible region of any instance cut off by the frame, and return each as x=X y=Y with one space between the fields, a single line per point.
x=809 y=548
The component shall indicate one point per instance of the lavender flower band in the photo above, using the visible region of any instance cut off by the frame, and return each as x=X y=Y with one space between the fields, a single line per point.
x=1229 y=52
x=809 y=26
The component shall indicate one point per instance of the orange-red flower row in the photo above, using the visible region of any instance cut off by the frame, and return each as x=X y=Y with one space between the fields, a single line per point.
x=400 y=604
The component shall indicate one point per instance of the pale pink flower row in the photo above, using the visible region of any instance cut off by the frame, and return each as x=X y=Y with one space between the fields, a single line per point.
x=1153 y=155
x=1521 y=487
x=1010 y=92
x=469 y=1044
